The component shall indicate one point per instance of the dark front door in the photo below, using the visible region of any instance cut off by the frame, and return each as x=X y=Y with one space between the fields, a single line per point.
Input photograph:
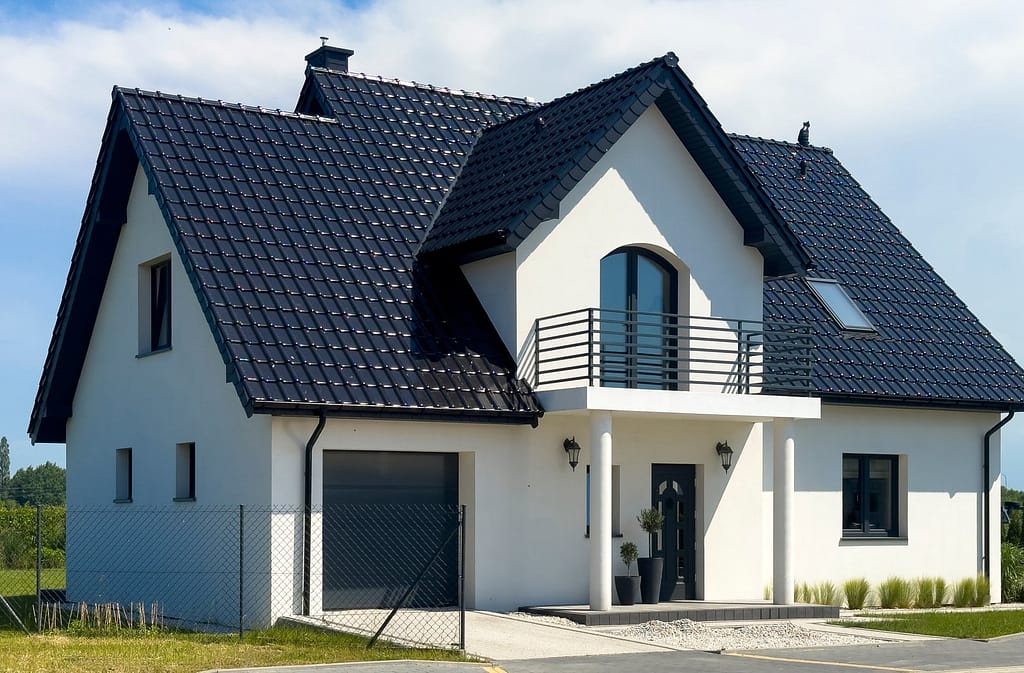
x=385 y=514
x=674 y=495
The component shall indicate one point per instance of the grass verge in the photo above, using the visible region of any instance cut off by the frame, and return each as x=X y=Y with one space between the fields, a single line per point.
x=986 y=624
x=130 y=652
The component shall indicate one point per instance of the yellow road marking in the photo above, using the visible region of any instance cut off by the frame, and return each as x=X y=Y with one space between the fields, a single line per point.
x=869 y=667
x=494 y=669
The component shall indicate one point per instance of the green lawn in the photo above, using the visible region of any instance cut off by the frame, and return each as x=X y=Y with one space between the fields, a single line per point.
x=18 y=587
x=188 y=652
x=23 y=582
x=960 y=624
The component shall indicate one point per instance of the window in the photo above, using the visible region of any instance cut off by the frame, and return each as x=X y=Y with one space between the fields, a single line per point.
x=871 y=496
x=185 y=472
x=155 y=306
x=638 y=321
x=616 y=532
x=123 y=475
x=839 y=304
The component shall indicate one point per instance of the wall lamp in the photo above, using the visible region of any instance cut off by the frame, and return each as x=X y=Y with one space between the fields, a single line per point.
x=573 y=449
x=725 y=453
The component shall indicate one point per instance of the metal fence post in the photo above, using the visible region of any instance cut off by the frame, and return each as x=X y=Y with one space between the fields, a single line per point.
x=241 y=569
x=462 y=579
x=39 y=567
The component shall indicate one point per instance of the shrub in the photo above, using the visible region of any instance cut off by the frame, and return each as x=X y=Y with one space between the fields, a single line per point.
x=803 y=593
x=1015 y=529
x=826 y=593
x=628 y=552
x=982 y=591
x=53 y=558
x=766 y=593
x=1013 y=573
x=896 y=592
x=856 y=591
x=965 y=592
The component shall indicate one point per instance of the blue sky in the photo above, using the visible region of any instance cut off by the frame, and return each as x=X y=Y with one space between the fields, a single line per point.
x=921 y=101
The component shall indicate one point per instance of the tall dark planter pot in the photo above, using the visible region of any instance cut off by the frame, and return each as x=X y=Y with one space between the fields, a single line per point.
x=628 y=589
x=650 y=578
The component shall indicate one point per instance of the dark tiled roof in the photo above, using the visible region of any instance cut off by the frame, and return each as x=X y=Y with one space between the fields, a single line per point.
x=929 y=346
x=300 y=235
x=520 y=170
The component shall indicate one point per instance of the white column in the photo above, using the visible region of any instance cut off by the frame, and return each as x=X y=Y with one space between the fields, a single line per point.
x=601 y=511
x=783 y=450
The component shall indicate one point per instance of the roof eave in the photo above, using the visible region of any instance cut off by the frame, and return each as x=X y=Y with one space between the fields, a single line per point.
x=367 y=412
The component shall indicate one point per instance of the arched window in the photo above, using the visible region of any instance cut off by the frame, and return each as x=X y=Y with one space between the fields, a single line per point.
x=638 y=320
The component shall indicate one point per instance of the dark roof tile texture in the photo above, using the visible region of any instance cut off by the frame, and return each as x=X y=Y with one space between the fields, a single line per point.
x=929 y=347
x=515 y=164
x=300 y=236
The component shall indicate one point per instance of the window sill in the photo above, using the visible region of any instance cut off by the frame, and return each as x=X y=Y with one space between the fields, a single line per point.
x=586 y=536
x=851 y=540
x=122 y=501
x=192 y=499
x=156 y=352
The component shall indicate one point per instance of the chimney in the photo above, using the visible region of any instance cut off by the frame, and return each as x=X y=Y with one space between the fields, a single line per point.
x=331 y=58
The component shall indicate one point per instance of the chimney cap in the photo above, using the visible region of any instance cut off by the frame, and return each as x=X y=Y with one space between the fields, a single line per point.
x=331 y=58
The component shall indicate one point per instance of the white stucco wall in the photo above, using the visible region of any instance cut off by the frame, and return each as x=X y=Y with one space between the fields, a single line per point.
x=526 y=508
x=942 y=452
x=150 y=404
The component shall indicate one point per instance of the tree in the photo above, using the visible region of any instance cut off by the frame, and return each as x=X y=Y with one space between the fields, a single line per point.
x=40 y=485
x=5 y=469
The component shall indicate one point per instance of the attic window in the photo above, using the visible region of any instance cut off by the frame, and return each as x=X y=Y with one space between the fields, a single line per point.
x=839 y=304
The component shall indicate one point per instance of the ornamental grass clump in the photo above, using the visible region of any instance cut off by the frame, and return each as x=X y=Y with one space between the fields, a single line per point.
x=896 y=592
x=1013 y=573
x=941 y=592
x=826 y=593
x=982 y=591
x=926 y=597
x=964 y=592
x=856 y=591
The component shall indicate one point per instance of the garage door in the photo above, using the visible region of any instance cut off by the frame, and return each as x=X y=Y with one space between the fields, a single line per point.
x=385 y=515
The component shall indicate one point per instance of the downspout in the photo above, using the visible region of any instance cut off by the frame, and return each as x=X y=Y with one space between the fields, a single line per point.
x=987 y=494
x=307 y=515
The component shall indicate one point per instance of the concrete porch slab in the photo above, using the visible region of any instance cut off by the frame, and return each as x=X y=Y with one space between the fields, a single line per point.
x=698 y=611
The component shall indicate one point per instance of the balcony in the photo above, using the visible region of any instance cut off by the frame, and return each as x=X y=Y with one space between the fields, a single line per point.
x=655 y=351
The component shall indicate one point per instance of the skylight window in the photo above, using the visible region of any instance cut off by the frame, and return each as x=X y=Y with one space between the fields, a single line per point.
x=839 y=304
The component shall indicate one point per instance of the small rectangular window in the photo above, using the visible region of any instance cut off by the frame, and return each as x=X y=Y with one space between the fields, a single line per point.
x=160 y=306
x=871 y=497
x=185 y=471
x=839 y=304
x=155 y=305
x=123 y=475
x=616 y=531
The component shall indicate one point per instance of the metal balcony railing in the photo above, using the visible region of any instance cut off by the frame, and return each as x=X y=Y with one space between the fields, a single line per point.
x=635 y=349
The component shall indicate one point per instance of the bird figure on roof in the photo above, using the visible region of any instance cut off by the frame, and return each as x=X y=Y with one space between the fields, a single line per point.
x=804 y=138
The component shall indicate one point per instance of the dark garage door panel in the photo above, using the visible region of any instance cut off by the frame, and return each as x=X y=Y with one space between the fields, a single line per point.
x=385 y=514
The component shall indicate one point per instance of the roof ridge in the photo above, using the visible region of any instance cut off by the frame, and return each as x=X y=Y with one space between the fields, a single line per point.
x=781 y=143
x=121 y=90
x=526 y=100
x=669 y=59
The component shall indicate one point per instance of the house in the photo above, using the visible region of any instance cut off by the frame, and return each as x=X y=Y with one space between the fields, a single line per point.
x=405 y=293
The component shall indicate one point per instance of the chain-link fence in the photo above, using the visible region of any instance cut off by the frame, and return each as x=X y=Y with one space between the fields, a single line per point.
x=393 y=573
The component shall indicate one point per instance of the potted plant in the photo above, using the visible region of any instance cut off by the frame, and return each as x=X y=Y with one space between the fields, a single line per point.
x=651 y=568
x=628 y=586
